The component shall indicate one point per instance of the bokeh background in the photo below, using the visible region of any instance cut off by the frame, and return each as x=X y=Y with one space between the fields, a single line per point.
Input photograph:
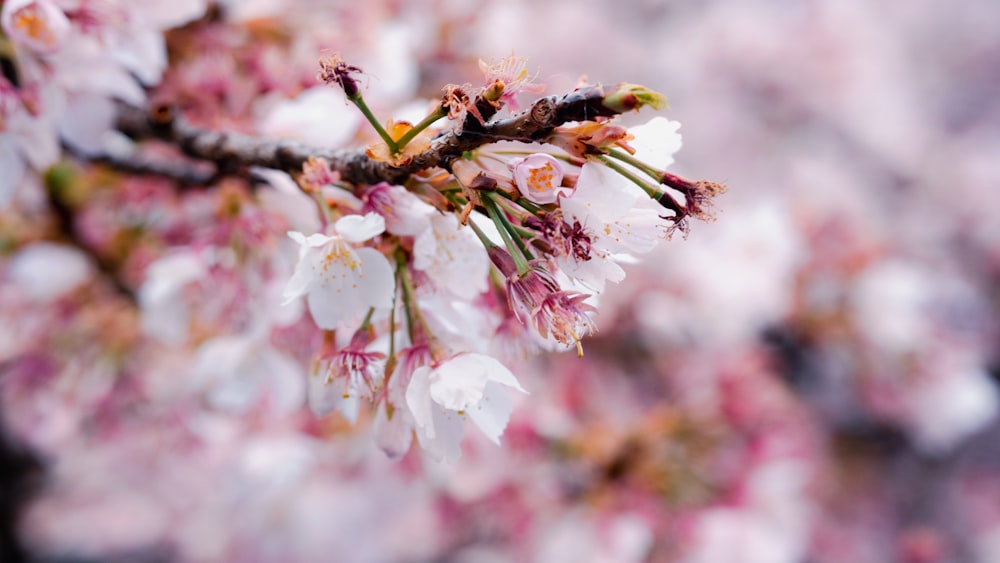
x=810 y=378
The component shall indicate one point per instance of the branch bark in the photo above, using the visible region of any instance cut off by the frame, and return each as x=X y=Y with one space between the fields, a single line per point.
x=230 y=150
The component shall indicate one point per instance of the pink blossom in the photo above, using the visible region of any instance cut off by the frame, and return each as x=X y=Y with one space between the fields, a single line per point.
x=539 y=178
x=39 y=25
x=405 y=214
x=539 y=302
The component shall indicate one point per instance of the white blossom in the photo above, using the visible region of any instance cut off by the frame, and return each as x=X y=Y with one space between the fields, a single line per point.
x=44 y=271
x=338 y=280
x=617 y=217
x=165 y=316
x=656 y=141
x=25 y=141
x=452 y=257
x=466 y=385
x=240 y=372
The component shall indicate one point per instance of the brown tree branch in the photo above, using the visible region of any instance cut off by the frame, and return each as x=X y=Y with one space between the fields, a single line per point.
x=231 y=150
x=185 y=172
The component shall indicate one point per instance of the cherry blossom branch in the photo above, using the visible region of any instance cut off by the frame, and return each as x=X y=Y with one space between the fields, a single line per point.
x=186 y=173
x=235 y=151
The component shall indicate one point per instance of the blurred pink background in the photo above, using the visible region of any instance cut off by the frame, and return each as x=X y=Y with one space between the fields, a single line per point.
x=811 y=378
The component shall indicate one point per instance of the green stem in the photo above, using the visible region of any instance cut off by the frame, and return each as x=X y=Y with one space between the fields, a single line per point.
x=413 y=315
x=482 y=236
x=650 y=191
x=513 y=230
x=455 y=197
x=625 y=157
x=517 y=249
x=392 y=320
x=424 y=124
x=368 y=319
x=531 y=207
x=519 y=209
x=400 y=274
x=360 y=102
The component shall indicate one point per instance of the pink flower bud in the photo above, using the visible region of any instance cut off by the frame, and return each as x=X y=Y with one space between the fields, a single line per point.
x=38 y=25
x=539 y=178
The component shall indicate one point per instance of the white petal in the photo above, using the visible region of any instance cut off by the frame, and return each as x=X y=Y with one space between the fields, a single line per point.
x=601 y=192
x=453 y=257
x=87 y=67
x=493 y=412
x=656 y=141
x=348 y=284
x=312 y=241
x=165 y=14
x=394 y=435
x=304 y=276
x=142 y=51
x=220 y=358
x=356 y=228
x=13 y=167
x=324 y=398
x=331 y=304
x=168 y=275
x=319 y=116
x=287 y=200
x=378 y=279
x=418 y=399
x=458 y=383
x=455 y=390
x=637 y=232
x=88 y=117
x=44 y=271
x=447 y=443
x=38 y=139
x=405 y=214
x=349 y=407
x=498 y=372
x=592 y=273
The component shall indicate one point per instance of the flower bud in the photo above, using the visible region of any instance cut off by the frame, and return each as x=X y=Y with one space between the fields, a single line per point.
x=539 y=178
x=628 y=97
x=38 y=25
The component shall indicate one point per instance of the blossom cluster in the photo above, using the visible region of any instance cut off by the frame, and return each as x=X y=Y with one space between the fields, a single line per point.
x=427 y=289
x=422 y=288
